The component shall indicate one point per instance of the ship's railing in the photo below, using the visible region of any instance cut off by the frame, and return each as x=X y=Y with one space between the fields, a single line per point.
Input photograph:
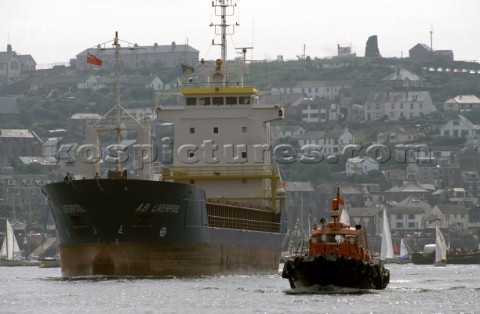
x=183 y=172
x=238 y=216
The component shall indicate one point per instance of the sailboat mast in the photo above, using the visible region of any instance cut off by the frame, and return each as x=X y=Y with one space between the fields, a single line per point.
x=116 y=46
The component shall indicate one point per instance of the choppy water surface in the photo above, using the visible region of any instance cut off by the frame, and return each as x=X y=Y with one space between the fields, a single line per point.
x=412 y=289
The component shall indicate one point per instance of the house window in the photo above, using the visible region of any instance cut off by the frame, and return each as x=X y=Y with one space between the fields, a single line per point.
x=411 y=225
x=215 y=130
x=399 y=225
x=192 y=130
x=411 y=216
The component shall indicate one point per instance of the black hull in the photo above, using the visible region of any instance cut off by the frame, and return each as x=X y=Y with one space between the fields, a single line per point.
x=151 y=228
x=452 y=258
x=340 y=271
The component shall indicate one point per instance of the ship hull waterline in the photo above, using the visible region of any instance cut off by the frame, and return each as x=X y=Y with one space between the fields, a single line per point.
x=151 y=228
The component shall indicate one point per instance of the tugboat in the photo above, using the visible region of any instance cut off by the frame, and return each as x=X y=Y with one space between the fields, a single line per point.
x=337 y=255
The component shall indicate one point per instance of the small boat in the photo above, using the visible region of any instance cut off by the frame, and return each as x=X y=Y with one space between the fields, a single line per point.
x=404 y=252
x=337 y=255
x=454 y=256
x=10 y=253
x=386 y=250
x=440 y=248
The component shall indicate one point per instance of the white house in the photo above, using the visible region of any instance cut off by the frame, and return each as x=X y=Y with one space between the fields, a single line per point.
x=331 y=141
x=314 y=111
x=50 y=146
x=460 y=127
x=398 y=105
x=408 y=214
x=462 y=102
x=313 y=89
x=360 y=165
x=450 y=216
x=282 y=131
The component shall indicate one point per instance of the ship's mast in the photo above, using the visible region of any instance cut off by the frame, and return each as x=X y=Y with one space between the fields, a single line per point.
x=118 y=111
x=221 y=29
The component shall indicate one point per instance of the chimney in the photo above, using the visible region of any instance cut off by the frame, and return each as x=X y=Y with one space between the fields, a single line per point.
x=9 y=48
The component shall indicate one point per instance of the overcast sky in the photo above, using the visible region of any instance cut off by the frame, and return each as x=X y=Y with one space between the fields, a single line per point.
x=54 y=31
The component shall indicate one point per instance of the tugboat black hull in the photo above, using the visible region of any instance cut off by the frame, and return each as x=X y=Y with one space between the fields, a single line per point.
x=335 y=270
x=151 y=228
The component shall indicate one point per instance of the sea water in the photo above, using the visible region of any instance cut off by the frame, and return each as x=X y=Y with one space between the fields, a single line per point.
x=412 y=289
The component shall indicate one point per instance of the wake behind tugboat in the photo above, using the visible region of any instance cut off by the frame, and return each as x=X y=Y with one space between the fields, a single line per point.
x=337 y=256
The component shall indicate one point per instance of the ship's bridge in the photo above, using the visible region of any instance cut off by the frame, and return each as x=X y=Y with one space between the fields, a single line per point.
x=217 y=96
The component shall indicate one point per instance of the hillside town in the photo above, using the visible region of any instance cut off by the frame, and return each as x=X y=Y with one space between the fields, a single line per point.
x=391 y=142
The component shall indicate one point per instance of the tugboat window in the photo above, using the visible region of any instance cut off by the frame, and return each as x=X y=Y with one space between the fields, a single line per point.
x=218 y=101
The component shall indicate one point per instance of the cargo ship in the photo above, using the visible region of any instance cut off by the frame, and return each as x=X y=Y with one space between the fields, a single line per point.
x=215 y=208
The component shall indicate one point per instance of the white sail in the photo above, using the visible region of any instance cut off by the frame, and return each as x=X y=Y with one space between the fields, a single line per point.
x=404 y=254
x=387 y=246
x=10 y=248
x=440 y=246
x=344 y=218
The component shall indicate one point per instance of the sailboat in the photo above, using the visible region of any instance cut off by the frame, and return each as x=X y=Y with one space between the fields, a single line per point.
x=404 y=252
x=9 y=253
x=440 y=248
x=386 y=252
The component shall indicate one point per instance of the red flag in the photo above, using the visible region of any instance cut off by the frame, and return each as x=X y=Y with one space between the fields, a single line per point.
x=93 y=60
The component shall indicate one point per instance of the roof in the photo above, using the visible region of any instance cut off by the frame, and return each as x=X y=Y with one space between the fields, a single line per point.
x=24 y=133
x=362 y=212
x=464 y=99
x=82 y=116
x=407 y=187
x=299 y=187
x=45 y=161
x=402 y=74
x=98 y=52
x=452 y=209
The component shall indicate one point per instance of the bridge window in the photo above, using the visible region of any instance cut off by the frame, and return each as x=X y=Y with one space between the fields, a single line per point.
x=192 y=130
x=242 y=100
x=218 y=100
x=204 y=101
x=191 y=101
x=215 y=130
x=231 y=100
